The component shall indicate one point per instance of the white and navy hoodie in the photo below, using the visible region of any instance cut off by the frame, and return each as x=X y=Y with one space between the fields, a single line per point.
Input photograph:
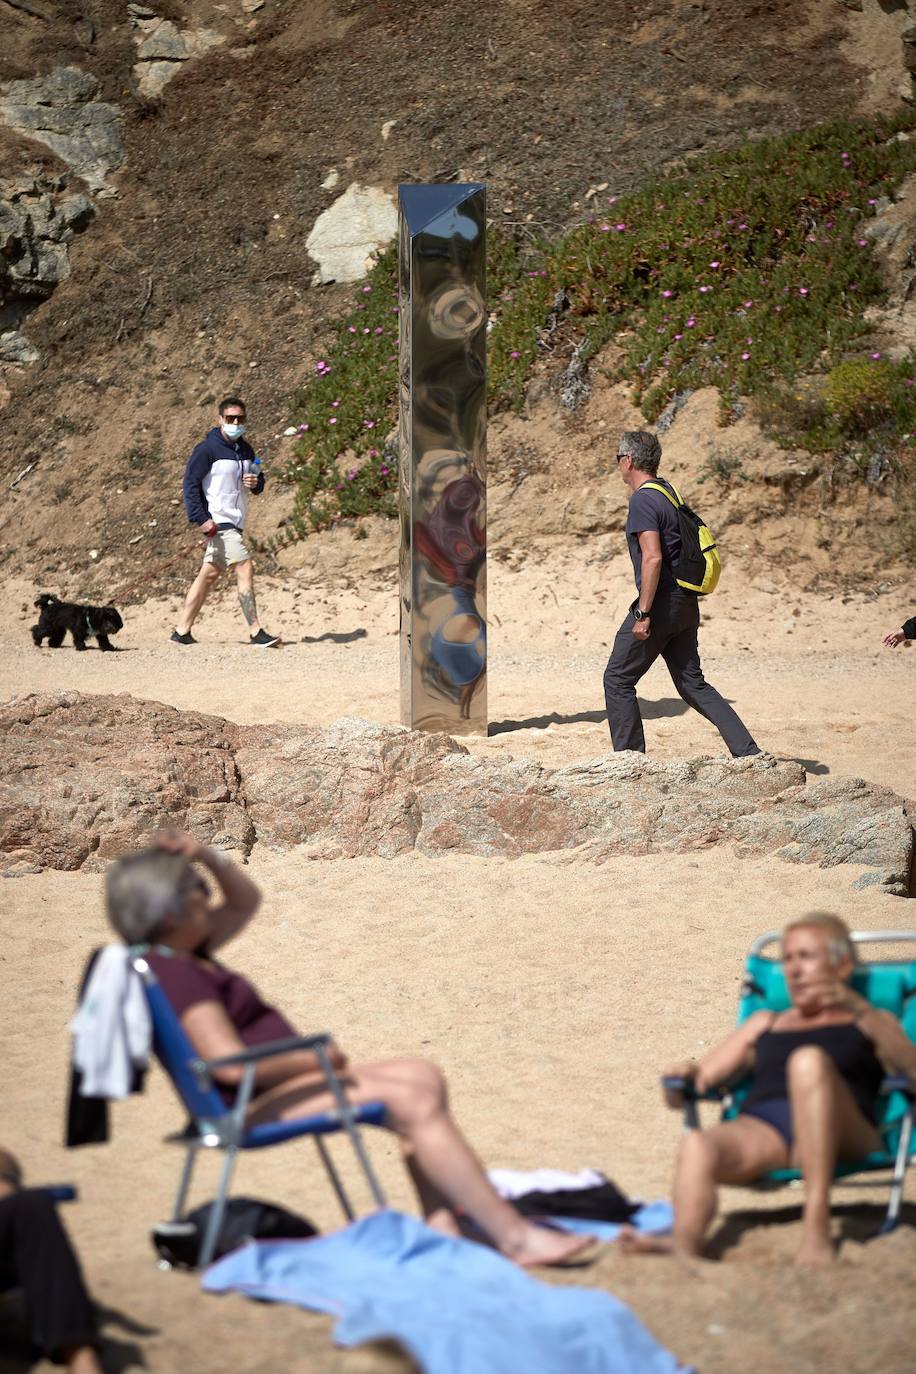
x=213 y=487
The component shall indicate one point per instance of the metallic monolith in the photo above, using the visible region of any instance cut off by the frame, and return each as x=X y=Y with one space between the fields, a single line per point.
x=443 y=466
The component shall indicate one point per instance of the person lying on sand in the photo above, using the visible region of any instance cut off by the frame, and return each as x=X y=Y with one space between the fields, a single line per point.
x=817 y=1070
x=156 y=896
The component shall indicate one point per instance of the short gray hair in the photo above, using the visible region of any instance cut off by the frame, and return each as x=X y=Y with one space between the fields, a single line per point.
x=143 y=891
x=643 y=448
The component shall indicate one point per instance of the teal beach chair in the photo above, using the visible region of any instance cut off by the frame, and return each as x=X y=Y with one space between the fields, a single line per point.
x=887 y=983
x=215 y=1125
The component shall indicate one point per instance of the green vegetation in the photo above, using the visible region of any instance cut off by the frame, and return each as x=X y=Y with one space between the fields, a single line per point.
x=750 y=271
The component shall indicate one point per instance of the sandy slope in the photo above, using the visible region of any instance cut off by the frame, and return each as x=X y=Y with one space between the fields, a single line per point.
x=551 y=991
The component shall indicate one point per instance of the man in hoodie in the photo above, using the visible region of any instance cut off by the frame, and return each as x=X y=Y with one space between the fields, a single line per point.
x=219 y=476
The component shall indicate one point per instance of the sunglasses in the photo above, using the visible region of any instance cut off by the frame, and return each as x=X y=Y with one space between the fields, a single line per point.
x=235 y=419
x=620 y=457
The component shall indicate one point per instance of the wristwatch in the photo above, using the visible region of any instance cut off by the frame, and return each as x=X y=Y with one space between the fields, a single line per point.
x=637 y=613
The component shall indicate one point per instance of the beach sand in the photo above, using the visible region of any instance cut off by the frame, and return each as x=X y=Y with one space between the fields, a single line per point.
x=552 y=991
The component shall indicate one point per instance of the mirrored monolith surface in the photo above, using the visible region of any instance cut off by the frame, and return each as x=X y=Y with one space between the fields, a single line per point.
x=443 y=473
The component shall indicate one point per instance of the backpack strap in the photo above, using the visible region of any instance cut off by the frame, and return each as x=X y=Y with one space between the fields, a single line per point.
x=675 y=500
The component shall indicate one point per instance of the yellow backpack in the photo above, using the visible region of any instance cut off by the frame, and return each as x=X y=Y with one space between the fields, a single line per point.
x=699 y=565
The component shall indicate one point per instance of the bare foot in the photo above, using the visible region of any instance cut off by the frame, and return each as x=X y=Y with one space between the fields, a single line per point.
x=539 y=1245
x=817 y=1252
x=634 y=1242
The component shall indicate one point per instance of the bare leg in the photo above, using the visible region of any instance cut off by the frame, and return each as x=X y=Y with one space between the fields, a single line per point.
x=205 y=579
x=733 y=1152
x=828 y=1126
x=244 y=576
x=447 y=1172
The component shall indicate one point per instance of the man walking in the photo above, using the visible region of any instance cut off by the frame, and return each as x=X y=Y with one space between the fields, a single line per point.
x=219 y=476
x=664 y=618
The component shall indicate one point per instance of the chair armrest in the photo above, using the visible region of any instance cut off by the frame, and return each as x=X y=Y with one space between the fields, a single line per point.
x=268 y=1050
x=898 y=1083
x=680 y=1083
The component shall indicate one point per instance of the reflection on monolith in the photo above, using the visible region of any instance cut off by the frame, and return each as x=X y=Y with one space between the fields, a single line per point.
x=443 y=474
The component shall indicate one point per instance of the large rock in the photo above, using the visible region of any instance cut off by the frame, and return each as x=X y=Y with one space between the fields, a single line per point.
x=38 y=221
x=347 y=236
x=87 y=777
x=84 y=778
x=60 y=110
x=162 y=48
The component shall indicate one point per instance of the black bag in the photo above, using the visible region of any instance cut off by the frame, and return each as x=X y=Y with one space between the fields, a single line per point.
x=245 y=1218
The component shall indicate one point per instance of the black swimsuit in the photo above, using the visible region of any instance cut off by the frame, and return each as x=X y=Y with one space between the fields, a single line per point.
x=853 y=1055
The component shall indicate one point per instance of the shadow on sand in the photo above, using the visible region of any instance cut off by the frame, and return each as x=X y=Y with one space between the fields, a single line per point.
x=650 y=710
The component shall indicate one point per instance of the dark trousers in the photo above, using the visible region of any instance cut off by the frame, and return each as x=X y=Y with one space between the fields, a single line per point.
x=36 y=1255
x=674 y=624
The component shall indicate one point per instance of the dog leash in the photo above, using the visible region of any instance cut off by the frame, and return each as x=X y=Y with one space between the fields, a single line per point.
x=126 y=591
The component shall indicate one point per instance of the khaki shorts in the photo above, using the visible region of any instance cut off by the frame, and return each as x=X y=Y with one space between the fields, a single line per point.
x=226 y=548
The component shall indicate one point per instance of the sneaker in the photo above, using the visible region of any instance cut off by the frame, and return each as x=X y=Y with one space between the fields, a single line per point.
x=262 y=640
x=186 y=638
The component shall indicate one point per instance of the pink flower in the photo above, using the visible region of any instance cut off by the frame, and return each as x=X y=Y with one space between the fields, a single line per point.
x=368 y=424
x=367 y=288
x=812 y=238
x=604 y=229
x=803 y=290
x=678 y=336
x=744 y=357
x=747 y=304
x=620 y=228
x=748 y=340
x=667 y=293
x=611 y=199
x=876 y=356
x=872 y=201
x=367 y=330
x=690 y=323
x=704 y=289
x=322 y=368
x=384 y=471
x=514 y=354
x=715 y=264
x=862 y=242
x=336 y=403
x=742 y=226
x=351 y=328
x=333 y=420
x=379 y=329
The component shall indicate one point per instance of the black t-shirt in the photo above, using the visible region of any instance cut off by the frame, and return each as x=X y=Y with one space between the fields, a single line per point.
x=650 y=510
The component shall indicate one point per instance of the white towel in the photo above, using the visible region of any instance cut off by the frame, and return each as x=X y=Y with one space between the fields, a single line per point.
x=512 y=1183
x=112 y=1031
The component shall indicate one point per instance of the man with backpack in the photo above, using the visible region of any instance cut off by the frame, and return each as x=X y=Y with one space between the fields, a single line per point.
x=674 y=562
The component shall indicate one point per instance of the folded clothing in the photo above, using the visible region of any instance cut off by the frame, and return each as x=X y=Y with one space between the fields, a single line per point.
x=456 y=1307
x=603 y=1203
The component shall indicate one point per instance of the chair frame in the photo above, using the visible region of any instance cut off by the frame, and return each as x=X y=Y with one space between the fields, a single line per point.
x=219 y=1127
x=898 y=1161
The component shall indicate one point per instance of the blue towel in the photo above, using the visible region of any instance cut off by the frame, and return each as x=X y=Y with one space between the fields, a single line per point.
x=457 y=1307
x=652 y=1219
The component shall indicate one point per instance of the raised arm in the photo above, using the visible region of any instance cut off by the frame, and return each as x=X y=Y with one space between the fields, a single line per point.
x=240 y=896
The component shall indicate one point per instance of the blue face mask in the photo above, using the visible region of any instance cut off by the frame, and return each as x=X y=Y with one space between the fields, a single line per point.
x=233 y=431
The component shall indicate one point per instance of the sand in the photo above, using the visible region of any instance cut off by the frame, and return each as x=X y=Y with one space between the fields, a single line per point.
x=551 y=991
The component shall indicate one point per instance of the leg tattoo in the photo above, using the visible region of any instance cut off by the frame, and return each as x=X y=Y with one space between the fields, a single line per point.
x=249 y=610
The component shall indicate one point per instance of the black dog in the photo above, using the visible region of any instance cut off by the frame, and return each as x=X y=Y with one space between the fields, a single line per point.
x=57 y=617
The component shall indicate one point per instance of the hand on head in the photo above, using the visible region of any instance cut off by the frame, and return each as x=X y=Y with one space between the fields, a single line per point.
x=178 y=842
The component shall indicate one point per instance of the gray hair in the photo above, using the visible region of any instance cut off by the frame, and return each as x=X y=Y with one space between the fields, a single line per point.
x=643 y=448
x=835 y=930
x=143 y=891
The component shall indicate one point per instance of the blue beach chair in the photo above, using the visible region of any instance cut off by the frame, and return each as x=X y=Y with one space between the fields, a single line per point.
x=214 y=1125
x=887 y=983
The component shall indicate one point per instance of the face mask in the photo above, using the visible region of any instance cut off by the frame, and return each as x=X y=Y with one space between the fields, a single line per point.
x=233 y=431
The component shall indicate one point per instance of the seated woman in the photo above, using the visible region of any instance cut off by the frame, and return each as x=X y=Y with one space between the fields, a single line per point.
x=156 y=896
x=817 y=1070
